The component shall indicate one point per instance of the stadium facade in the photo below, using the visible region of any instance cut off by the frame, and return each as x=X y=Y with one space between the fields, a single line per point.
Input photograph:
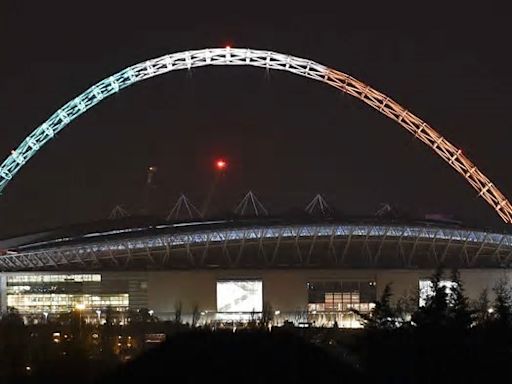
x=305 y=270
x=311 y=271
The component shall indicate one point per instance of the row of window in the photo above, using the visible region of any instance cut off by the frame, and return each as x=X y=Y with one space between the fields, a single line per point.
x=53 y=278
x=233 y=296
x=341 y=296
x=325 y=307
x=59 y=303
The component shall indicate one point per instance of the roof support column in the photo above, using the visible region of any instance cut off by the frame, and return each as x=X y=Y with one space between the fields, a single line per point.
x=3 y=294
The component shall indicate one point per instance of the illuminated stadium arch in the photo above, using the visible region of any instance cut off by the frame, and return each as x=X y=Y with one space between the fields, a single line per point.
x=266 y=59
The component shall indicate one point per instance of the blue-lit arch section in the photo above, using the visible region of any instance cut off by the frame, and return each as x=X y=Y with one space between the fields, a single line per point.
x=265 y=59
x=226 y=244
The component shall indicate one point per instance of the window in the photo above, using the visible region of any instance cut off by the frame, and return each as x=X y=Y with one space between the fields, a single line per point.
x=59 y=303
x=334 y=301
x=53 y=278
x=340 y=296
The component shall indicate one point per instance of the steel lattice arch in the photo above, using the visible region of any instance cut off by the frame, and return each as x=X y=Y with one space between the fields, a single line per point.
x=265 y=59
x=265 y=244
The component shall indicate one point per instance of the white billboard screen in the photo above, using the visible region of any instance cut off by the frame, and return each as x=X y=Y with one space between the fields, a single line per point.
x=239 y=296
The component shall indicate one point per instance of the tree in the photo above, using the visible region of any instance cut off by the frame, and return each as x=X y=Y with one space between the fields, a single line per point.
x=108 y=334
x=482 y=309
x=302 y=314
x=177 y=312
x=267 y=314
x=109 y=316
x=142 y=315
x=14 y=345
x=435 y=311
x=406 y=306
x=253 y=316
x=459 y=310
x=382 y=316
x=502 y=304
x=195 y=315
x=12 y=317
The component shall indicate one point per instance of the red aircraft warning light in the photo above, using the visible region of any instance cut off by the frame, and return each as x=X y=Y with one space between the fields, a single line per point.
x=221 y=164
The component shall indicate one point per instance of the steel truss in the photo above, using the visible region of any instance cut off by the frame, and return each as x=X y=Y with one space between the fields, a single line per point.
x=271 y=246
x=265 y=59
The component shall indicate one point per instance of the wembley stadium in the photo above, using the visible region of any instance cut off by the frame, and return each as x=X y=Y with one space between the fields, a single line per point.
x=306 y=269
x=303 y=269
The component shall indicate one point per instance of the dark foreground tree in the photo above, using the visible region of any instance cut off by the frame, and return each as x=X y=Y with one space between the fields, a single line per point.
x=14 y=339
x=247 y=356
x=482 y=309
x=196 y=314
x=459 y=311
x=502 y=304
x=178 y=306
x=435 y=311
x=267 y=314
x=383 y=315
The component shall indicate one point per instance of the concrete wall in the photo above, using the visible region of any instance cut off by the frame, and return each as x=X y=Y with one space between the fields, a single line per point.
x=285 y=290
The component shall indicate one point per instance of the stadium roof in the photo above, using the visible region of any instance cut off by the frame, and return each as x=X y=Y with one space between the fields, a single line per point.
x=257 y=243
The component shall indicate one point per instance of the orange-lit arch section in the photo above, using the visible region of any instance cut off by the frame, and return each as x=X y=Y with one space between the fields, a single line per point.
x=265 y=59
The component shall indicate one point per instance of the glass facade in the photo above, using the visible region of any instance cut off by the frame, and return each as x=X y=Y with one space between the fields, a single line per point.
x=62 y=303
x=53 y=278
x=333 y=301
x=48 y=293
x=320 y=301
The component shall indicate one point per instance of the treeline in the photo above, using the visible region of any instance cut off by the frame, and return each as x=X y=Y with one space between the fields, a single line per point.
x=448 y=339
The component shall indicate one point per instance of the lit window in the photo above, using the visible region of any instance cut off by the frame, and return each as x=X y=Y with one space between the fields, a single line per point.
x=53 y=278
x=332 y=301
x=59 y=303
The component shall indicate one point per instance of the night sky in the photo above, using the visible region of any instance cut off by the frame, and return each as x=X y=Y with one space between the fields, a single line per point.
x=285 y=137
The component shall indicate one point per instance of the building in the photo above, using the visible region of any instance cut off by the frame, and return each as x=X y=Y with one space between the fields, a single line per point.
x=306 y=270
